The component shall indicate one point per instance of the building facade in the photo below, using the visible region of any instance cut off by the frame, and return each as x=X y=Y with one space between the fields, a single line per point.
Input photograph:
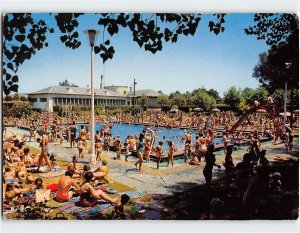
x=49 y=97
x=113 y=96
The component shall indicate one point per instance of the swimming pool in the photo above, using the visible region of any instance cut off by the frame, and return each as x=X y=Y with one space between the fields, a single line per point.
x=163 y=134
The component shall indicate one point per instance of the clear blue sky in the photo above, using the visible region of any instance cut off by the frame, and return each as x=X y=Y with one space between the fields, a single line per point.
x=207 y=60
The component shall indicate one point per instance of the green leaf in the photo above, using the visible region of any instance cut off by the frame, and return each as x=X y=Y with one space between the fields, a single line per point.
x=20 y=38
x=10 y=66
x=15 y=79
x=97 y=49
x=63 y=38
x=75 y=35
x=14 y=88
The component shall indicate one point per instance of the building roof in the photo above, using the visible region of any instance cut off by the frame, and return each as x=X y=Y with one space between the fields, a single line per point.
x=147 y=92
x=64 y=90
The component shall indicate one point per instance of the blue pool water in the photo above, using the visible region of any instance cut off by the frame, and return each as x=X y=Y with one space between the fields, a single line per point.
x=164 y=134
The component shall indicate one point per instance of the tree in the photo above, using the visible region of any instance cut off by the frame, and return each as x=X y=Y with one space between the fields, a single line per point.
x=67 y=84
x=16 y=97
x=178 y=99
x=278 y=96
x=143 y=100
x=8 y=98
x=17 y=109
x=25 y=35
x=215 y=94
x=281 y=31
x=249 y=95
x=275 y=28
x=201 y=98
x=23 y=98
x=232 y=97
x=164 y=100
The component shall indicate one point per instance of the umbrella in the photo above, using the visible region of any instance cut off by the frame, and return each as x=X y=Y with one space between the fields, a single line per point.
x=261 y=110
x=197 y=110
x=286 y=114
x=173 y=110
x=216 y=110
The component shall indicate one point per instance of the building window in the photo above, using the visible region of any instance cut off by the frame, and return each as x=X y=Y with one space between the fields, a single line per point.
x=43 y=99
x=32 y=99
x=124 y=92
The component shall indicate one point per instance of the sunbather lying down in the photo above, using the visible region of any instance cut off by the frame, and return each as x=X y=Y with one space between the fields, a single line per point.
x=89 y=196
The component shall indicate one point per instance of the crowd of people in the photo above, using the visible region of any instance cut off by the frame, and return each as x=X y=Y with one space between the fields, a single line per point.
x=250 y=177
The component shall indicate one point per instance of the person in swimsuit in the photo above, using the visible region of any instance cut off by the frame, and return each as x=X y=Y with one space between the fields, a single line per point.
x=147 y=150
x=44 y=152
x=158 y=153
x=171 y=153
x=65 y=183
x=140 y=151
x=81 y=146
x=210 y=160
x=83 y=134
x=99 y=149
x=73 y=130
x=73 y=167
x=89 y=196
x=102 y=172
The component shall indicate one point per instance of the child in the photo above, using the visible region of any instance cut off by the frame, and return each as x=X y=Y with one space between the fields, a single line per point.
x=158 y=152
x=99 y=149
x=118 y=147
x=119 y=207
x=81 y=146
x=126 y=151
x=171 y=153
x=187 y=150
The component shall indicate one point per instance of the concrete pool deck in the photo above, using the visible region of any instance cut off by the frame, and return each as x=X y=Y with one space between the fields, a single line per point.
x=166 y=180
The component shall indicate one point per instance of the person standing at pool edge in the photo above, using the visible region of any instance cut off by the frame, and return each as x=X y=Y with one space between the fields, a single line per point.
x=158 y=152
x=210 y=159
x=171 y=153
x=140 y=150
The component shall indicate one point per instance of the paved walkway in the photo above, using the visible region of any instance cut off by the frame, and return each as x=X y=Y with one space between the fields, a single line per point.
x=167 y=180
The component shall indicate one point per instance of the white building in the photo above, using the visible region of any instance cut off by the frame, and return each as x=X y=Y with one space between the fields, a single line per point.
x=115 y=96
x=49 y=97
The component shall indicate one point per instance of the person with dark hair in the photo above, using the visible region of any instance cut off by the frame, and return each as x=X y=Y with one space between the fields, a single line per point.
x=210 y=160
x=147 y=150
x=263 y=161
x=244 y=171
x=256 y=190
x=44 y=152
x=65 y=183
x=171 y=153
x=81 y=146
x=119 y=207
x=158 y=153
x=73 y=130
x=39 y=184
x=229 y=166
x=83 y=133
x=73 y=165
x=140 y=151
x=89 y=196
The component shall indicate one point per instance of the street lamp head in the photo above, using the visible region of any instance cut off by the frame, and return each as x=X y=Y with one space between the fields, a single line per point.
x=92 y=36
x=288 y=65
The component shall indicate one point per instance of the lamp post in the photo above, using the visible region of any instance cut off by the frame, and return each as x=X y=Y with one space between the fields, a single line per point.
x=134 y=83
x=288 y=66
x=92 y=38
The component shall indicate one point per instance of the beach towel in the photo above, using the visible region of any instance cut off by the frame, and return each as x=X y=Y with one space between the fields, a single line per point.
x=75 y=209
x=53 y=174
x=42 y=195
x=133 y=194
